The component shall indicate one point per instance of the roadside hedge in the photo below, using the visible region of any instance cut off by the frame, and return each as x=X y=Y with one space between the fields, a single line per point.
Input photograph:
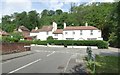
x=99 y=43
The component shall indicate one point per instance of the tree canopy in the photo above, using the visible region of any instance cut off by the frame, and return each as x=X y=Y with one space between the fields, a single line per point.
x=101 y=15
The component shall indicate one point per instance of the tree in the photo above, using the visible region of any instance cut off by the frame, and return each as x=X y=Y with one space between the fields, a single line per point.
x=51 y=13
x=21 y=19
x=44 y=12
x=118 y=25
x=33 y=19
x=50 y=38
x=59 y=11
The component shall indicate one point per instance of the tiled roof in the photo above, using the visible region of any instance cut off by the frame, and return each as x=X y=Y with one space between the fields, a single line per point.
x=80 y=28
x=24 y=28
x=3 y=32
x=58 y=31
x=44 y=28
x=35 y=31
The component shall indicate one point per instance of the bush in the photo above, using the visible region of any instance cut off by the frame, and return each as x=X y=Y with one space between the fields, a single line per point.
x=9 y=39
x=113 y=40
x=26 y=41
x=50 y=38
x=99 y=43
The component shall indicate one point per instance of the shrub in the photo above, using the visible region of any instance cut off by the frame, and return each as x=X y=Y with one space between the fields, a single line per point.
x=26 y=41
x=50 y=38
x=9 y=39
x=99 y=43
x=42 y=42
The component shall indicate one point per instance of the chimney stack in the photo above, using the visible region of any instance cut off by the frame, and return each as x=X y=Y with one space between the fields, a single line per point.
x=36 y=28
x=54 y=26
x=64 y=25
x=86 y=24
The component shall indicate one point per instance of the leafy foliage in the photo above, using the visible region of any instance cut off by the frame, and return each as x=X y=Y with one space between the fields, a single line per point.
x=104 y=16
x=50 y=38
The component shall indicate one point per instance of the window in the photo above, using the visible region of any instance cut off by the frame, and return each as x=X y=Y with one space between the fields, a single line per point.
x=47 y=33
x=69 y=38
x=73 y=33
x=55 y=38
x=91 y=38
x=65 y=32
x=80 y=32
x=91 y=32
x=56 y=34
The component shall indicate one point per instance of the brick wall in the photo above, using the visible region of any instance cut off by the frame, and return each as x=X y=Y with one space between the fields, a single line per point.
x=8 y=48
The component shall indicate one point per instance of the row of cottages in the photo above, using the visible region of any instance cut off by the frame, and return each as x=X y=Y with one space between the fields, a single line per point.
x=68 y=33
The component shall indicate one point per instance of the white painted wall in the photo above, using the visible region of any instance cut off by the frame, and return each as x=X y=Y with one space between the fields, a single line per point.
x=33 y=34
x=43 y=35
x=58 y=36
x=85 y=34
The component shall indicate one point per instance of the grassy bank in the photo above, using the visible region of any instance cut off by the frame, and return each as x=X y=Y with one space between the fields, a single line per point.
x=107 y=64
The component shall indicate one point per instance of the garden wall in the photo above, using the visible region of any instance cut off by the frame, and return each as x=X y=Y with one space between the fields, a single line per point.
x=8 y=48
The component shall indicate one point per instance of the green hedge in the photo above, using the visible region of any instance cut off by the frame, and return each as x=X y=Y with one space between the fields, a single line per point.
x=9 y=39
x=100 y=44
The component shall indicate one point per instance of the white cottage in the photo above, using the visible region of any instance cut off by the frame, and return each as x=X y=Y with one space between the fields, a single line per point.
x=44 y=32
x=68 y=33
x=81 y=33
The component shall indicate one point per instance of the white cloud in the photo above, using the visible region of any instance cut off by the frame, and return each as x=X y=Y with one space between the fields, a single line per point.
x=11 y=6
x=107 y=1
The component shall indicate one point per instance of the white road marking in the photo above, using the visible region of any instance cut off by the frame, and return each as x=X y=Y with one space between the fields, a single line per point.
x=68 y=63
x=51 y=53
x=24 y=66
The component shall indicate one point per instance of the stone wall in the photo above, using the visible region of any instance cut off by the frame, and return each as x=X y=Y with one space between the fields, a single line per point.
x=7 y=48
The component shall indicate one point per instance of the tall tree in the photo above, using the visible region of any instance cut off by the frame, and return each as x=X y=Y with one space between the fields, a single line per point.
x=59 y=11
x=21 y=19
x=118 y=25
x=44 y=12
x=6 y=19
x=51 y=13
x=33 y=19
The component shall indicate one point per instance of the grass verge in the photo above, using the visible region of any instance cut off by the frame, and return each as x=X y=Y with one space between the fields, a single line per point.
x=106 y=64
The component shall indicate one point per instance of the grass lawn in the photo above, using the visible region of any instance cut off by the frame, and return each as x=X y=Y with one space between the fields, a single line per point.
x=107 y=64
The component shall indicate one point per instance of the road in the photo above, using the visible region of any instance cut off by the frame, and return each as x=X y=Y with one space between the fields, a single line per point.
x=44 y=60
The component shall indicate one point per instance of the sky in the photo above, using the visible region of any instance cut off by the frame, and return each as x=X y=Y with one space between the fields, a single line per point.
x=8 y=7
